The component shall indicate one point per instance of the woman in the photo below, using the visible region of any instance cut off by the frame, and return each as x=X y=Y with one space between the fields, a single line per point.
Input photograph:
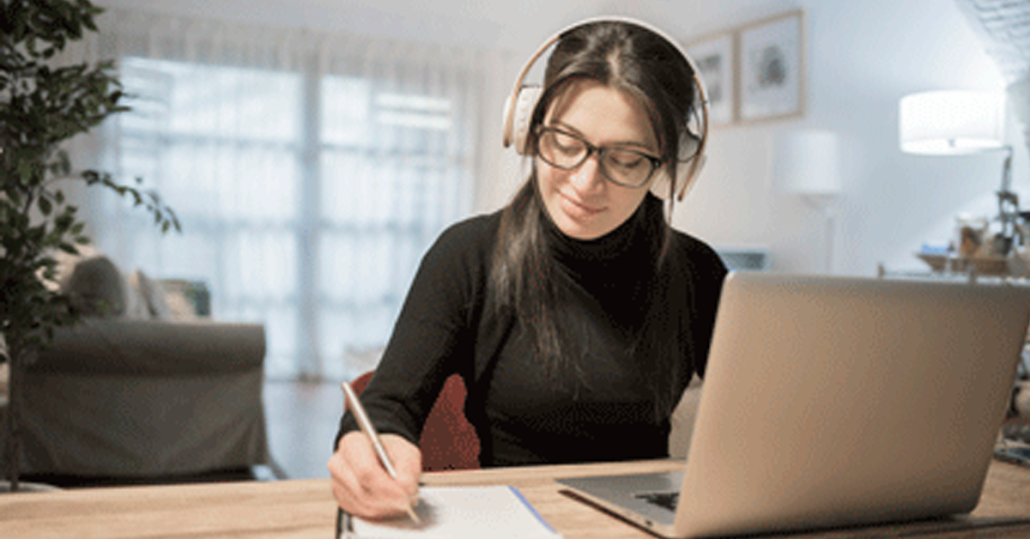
x=575 y=315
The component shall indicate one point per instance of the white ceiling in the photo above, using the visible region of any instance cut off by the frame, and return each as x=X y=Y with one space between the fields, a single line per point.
x=1004 y=28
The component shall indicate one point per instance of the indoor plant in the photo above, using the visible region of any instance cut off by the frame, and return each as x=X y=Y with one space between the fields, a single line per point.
x=42 y=105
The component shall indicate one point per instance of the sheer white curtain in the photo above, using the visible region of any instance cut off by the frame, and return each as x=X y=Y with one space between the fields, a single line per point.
x=310 y=172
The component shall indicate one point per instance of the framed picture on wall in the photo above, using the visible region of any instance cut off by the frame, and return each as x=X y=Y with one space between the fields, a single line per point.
x=772 y=81
x=714 y=58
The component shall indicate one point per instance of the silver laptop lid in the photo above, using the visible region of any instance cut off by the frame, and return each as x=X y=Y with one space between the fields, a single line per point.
x=835 y=401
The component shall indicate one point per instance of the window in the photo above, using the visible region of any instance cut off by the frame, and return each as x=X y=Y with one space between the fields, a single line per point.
x=307 y=199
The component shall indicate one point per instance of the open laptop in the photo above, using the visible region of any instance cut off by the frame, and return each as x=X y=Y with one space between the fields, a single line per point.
x=833 y=402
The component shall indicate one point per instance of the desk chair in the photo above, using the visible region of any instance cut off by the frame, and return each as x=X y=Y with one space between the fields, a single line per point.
x=448 y=442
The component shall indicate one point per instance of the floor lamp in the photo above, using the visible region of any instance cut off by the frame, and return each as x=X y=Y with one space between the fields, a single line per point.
x=805 y=165
x=946 y=123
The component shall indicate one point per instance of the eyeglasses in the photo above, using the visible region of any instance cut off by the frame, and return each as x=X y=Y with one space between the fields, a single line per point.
x=621 y=166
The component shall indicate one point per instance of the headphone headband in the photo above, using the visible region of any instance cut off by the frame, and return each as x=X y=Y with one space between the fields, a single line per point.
x=522 y=101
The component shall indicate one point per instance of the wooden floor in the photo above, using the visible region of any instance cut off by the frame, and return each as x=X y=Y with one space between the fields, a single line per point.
x=302 y=420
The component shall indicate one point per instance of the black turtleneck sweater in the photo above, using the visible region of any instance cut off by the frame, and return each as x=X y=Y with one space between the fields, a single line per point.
x=598 y=405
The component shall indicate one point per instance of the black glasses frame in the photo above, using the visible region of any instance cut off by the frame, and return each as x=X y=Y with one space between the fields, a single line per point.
x=656 y=163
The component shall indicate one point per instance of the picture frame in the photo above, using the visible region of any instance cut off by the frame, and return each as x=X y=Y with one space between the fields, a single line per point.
x=715 y=59
x=772 y=68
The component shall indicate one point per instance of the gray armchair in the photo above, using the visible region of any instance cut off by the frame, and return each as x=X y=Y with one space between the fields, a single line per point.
x=139 y=398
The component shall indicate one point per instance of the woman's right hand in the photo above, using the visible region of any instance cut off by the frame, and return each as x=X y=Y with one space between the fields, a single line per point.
x=362 y=486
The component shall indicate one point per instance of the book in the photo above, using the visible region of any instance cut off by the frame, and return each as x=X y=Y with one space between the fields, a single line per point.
x=498 y=512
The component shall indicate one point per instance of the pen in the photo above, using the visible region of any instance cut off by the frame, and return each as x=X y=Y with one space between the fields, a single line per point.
x=366 y=426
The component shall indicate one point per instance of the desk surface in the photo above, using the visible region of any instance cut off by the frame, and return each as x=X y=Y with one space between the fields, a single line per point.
x=306 y=509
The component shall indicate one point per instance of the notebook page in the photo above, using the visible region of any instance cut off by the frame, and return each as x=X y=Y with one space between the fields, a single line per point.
x=457 y=512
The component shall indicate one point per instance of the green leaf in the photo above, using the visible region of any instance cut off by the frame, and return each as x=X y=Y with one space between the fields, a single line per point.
x=64 y=221
x=62 y=163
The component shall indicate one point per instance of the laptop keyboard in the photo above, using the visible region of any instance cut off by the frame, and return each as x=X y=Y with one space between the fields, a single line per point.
x=661 y=499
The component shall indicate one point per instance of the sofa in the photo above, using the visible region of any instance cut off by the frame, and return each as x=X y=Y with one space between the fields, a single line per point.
x=123 y=395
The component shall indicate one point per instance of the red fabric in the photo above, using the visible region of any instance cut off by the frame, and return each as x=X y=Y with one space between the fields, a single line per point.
x=449 y=442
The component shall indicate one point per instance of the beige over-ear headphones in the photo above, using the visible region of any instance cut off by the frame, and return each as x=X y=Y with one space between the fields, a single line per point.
x=522 y=102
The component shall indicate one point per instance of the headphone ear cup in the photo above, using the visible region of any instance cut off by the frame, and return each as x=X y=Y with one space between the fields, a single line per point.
x=688 y=176
x=685 y=176
x=660 y=185
x=522 y=117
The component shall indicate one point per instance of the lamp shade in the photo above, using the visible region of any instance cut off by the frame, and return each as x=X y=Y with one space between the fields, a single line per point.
x=952 y=122
x=805 y=163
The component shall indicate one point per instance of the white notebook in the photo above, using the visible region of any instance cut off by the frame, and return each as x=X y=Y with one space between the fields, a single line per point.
x=498 y=512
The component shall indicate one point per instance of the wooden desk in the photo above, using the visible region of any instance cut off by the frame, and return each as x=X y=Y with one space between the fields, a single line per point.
x=306 y=509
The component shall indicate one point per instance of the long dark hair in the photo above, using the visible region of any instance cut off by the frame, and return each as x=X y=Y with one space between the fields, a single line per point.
x=641 y=63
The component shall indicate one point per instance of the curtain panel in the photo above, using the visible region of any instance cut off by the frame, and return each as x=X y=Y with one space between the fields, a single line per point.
x=310 y=172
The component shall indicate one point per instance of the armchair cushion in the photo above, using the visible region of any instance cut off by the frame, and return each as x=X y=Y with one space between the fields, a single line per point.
x=95 y=287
